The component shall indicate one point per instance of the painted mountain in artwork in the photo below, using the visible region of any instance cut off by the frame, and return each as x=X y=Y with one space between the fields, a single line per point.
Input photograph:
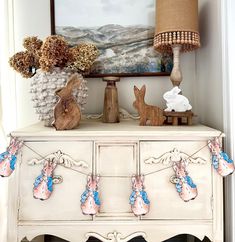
x=122 y=49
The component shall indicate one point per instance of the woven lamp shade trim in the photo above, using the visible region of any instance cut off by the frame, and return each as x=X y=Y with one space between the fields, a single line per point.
x=189 y=40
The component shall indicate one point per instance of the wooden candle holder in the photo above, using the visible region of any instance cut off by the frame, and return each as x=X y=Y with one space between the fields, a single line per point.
x=111 y=107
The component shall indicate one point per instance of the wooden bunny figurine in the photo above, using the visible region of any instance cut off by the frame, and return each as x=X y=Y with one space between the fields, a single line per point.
x=90 y=202
x=147 y=112
x=9 y=157
x=220 y=160
x=43 y=185
x=139 y=198
x=184 y=183
x=67 y=113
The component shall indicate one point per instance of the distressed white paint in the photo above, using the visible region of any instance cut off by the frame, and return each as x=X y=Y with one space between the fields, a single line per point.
x=118 y=152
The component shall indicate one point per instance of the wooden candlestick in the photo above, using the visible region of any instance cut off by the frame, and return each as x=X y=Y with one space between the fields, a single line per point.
x=111 y=108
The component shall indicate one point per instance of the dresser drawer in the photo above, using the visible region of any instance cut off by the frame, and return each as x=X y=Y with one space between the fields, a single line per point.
x=165 y=201
x=64 y=203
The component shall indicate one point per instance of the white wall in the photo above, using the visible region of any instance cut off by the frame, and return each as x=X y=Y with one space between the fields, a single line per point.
x=33 y=18
x=209 y=78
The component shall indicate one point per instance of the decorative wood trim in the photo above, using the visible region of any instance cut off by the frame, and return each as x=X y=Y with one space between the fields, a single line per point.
x=174 y=155
x=115 y=236
x=61 y=159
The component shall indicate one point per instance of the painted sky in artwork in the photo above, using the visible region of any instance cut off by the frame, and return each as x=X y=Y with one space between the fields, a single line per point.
x=93 y=13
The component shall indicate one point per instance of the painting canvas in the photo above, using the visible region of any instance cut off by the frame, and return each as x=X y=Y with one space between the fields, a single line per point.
x=123 y=31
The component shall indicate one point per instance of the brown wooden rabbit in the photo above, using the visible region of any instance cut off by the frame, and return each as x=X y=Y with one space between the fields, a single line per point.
x=147 y=112
x=67 y=113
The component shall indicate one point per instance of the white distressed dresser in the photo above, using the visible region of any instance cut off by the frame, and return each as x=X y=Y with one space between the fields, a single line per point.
x=116 y=150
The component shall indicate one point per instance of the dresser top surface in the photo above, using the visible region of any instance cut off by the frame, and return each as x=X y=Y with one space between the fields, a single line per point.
x=125 y=128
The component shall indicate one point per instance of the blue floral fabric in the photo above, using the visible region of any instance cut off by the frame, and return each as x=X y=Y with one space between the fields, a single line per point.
x=144 y=197
x=226 y=157
x=190 y=182
x=84 y=197
x=49 y=182
x=13 y=162
x=132 y=198
x=37 y=181
x=3 y=156
x=143 y=194
x=96 y=198
x=178 y=187
x=215 y=161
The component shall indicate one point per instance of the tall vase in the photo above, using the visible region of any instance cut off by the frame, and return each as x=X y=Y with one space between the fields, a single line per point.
x=43 y=87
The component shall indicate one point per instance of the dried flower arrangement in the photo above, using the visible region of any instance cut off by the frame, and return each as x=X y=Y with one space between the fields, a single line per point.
x=53 y=52
x=50 y=64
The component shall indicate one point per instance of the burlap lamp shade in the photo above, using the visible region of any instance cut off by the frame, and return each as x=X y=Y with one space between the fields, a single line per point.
x=176 y=23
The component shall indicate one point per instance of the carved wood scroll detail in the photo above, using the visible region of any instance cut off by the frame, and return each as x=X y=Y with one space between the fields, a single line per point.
x=115 y=236
x=174 y=155
x=61 y=159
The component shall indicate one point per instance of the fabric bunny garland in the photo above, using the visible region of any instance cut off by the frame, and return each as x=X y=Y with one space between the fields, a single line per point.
x=183 y=182
x=90 y=202
x=9 y=157
x=220 y=160
x=43 y=185
x=139 y=201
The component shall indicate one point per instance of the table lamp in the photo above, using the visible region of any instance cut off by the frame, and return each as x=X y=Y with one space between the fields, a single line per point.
x=176 y=31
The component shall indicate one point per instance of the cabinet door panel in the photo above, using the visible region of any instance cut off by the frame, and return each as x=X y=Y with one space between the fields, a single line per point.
x=165 y=201
x=64 y=203
x=116 y=160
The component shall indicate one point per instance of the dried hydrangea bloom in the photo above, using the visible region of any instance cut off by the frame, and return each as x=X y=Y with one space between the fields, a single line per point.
x=32 y=44
x=24 y=62
x=84 y=56
x=54 y=52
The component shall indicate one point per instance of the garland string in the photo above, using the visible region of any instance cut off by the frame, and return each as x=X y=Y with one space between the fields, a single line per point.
x=121 y=176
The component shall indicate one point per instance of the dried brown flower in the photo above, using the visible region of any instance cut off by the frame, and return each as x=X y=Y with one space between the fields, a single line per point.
x=24 y=62
x=84 y=56
x=54 y=52
x=32 y=44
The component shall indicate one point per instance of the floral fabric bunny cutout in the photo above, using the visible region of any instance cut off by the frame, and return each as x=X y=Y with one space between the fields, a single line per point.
x=184 y=184
x=90 y=202
x=220 y=160
x=175 y=101
x=43 y=185
x=9 y=157
x=139 y=201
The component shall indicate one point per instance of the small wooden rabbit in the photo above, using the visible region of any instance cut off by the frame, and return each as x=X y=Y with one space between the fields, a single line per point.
x=67 y=113
x=220 y=160
x=147 y=112
x=43 y=185
x=184 y=183
x=90 y=202
x=9 y=157
x=139 y=198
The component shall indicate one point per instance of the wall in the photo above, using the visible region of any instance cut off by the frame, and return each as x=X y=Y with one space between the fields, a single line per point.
x=33 y=18
x=209 y=78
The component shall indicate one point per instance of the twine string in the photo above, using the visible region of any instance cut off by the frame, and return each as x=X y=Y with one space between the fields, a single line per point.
x=121 y=176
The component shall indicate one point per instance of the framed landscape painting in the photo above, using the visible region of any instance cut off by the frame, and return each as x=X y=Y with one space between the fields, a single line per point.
x=123 y=31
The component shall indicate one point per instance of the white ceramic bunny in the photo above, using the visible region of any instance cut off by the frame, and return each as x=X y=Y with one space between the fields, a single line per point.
x=175 y=101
